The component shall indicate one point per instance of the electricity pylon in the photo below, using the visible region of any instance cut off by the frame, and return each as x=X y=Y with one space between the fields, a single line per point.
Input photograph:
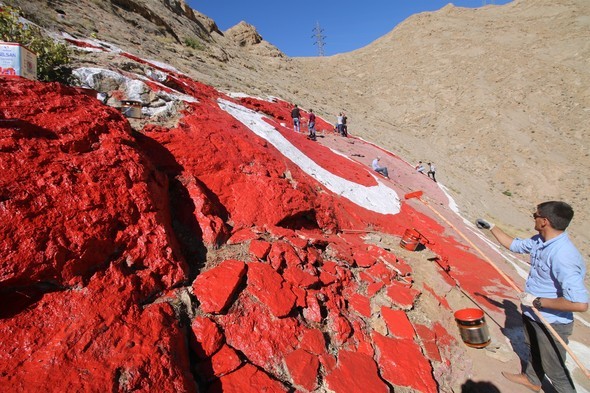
x=319 y=38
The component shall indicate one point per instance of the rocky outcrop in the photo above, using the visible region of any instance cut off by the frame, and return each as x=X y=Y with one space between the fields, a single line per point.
x=186 y=258
x=246 y=36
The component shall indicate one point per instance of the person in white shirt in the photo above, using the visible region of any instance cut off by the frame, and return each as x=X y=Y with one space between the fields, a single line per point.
x=379 y=169
x=432 y=171
x=420 y=168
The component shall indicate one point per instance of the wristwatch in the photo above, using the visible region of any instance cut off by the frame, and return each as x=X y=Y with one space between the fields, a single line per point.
x=537 y=303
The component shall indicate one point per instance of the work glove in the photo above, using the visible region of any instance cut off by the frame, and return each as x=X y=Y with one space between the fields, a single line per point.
x=483 y=224
x=526 y=299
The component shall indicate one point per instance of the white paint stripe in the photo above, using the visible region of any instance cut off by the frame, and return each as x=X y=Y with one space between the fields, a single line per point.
x=379 y=198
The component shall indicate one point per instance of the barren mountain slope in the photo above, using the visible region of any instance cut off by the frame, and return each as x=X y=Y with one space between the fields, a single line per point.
x=497 y=97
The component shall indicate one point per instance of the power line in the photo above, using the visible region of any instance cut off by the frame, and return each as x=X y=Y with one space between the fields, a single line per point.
x=319 y=38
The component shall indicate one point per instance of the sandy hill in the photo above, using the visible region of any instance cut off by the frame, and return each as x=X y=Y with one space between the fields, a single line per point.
x=498 y=97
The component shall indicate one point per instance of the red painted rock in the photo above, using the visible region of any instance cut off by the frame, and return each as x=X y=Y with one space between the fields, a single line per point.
x=300 y=296
x=363 y=342
x=95 y=339
x=263 y=339
x=381 y=273
x=314 y=257
x=402 y=295
x=270 y=288
x=341 y=251
x=296 y=276
x=364 y=259
x=428 y=339
x=402 y=364
x=313 y=341
x=299 y=242
x=328 y=362
x=340 y=328
x=207 y=214
x=207 y=338
x=217 y=287
x=282 y=255
x=360 y=304
x=223 y=362
x=247 y=379
x=398 y=323
x=303 y=367
x=355 y=372
x=328 y=278
x=243 y=235
x=400 y=265
x=443 y=338
x=276 y=256
x=88 y=204
x=330 y=267
x=372 y=289
x=77 y=194
x=259 y=248
x=313 y=311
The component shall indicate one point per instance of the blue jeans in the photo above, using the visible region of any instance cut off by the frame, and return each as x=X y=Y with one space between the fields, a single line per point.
x=547 y=356
x=296 y=124
x=311 y=127
x=382 y=170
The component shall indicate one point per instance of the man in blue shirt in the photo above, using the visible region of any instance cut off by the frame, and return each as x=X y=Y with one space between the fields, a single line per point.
x=554 y=286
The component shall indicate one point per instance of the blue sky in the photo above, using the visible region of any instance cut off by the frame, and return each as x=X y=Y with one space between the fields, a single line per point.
x=347 y=25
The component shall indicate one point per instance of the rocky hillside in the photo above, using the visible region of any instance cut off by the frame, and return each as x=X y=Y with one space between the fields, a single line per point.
x=226 y=253
x=496 y=96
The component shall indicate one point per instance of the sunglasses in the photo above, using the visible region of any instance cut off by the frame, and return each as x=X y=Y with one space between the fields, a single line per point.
x=536 y=215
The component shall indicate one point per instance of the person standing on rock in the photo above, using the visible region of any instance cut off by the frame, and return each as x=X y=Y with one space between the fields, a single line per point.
x=344 y=126
x=432 y=171
x=555 y=287
x=296 y=116
x=339 y=123
x=379 y=169
x=311 y=125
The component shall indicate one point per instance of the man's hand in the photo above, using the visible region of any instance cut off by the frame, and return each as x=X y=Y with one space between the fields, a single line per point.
x=526 y=299
x=483 y=224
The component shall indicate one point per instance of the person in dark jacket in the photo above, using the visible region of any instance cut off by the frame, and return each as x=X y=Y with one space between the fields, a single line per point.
x=311 y=125
x=296 y=116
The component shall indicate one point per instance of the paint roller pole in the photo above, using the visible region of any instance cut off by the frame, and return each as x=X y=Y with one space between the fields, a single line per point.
x=418 y=195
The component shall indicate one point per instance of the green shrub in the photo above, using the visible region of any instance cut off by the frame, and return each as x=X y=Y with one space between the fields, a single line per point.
x=193 y=43
x=53 y=58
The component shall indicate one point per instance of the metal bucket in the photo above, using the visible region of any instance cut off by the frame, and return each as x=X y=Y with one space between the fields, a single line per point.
x=410 y=240
x=131 y=108
x=473 y=328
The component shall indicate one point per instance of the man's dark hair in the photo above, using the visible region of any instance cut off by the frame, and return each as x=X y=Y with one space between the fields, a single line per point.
x=559 y=214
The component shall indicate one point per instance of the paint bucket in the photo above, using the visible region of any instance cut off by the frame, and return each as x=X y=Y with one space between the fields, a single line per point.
x=410 y=240
x=131 y=108
x=473 y=328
